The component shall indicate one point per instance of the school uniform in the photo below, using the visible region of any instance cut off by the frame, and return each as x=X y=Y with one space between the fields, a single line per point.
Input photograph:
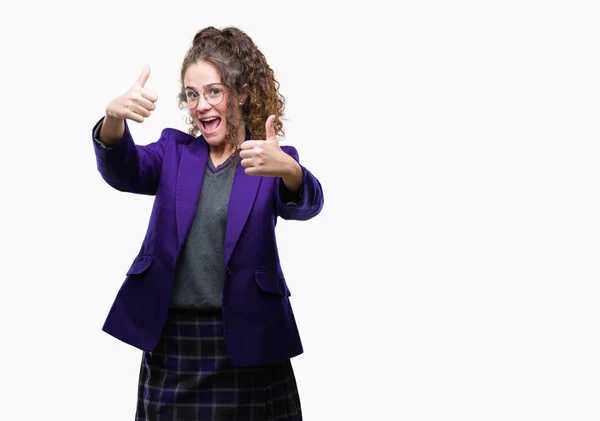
x=206 y=297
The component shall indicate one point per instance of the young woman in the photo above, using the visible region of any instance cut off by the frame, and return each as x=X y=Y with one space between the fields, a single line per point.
x=206 y=298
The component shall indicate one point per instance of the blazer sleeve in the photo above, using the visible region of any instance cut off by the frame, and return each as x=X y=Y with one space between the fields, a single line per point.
x=129 y=167
x=307 y=203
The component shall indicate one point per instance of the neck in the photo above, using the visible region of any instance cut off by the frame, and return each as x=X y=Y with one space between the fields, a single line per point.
x=223 y=150
x=219 y=153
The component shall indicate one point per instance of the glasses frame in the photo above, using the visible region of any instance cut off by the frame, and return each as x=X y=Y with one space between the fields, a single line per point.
x=203 y=93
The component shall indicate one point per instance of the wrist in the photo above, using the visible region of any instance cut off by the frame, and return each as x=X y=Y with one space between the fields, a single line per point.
x=112 y=129
x=293 y=169
x=292 y=179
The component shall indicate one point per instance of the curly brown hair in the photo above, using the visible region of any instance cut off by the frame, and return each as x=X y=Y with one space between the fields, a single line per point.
x=238 y=61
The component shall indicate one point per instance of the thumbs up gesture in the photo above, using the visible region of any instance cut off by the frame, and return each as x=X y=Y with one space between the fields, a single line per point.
x=265 y=157
x=137 y=103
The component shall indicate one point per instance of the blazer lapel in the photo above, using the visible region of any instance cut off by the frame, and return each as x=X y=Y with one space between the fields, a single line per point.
x=189 y=181
x=243 y=193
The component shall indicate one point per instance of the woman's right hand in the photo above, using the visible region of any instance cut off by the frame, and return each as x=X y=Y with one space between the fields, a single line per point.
x=136 y=104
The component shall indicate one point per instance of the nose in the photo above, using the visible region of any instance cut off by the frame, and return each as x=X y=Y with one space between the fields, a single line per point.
x=202 y=104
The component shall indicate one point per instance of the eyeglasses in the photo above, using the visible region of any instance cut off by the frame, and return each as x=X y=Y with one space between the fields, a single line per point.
x=212 y=94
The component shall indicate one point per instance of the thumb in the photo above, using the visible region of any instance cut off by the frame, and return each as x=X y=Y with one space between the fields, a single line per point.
x=144 y=76
x=269 y=129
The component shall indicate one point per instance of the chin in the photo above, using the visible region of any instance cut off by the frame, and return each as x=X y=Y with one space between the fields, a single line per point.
x=214 y=139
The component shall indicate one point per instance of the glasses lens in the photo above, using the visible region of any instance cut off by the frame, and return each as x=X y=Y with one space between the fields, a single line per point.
x=191 y=98
x=213 y=96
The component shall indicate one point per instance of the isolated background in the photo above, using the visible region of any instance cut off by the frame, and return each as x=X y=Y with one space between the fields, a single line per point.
x=453 y=273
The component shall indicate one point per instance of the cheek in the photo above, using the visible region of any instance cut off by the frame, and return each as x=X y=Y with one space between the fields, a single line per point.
x=223 y=112
x=222 y=109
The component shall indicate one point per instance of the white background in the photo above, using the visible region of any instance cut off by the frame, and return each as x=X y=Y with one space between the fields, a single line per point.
x=453 y=273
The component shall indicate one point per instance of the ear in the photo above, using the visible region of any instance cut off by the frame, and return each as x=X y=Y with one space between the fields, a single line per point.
x=245 y=94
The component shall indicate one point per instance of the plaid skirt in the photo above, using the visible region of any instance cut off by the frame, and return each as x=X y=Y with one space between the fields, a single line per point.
x=188 y=377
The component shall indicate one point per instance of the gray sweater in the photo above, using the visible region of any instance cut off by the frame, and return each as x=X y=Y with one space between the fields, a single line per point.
x=199 y=273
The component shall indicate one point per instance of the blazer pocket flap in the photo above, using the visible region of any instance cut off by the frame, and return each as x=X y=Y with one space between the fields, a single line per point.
x=271 y=282
x=140 y=264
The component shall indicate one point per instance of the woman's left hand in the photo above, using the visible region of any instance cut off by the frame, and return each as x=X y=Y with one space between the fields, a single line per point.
x=265 y=157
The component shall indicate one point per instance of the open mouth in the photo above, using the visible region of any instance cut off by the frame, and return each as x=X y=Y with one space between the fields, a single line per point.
x=210 y=124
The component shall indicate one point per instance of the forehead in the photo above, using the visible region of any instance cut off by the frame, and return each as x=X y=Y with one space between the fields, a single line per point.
x=201 y=74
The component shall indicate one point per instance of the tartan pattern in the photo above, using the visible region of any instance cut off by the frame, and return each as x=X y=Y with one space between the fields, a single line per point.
x=188 y=377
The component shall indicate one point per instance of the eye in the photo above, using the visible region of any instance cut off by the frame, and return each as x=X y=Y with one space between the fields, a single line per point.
x=214 y=91
x=190 y=94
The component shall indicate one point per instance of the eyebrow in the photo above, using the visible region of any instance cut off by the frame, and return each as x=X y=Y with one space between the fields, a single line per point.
x=206 y=86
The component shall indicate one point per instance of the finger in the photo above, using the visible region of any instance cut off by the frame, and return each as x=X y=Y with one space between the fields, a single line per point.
x=251 y=171
x=140 y=111
x=140 y=100
x=246 y=163
x=149 y=94
x=132 y=105
x=143 y=77
x=245 y=154
x=250 y=144
x=269 y=129
x=133 y=116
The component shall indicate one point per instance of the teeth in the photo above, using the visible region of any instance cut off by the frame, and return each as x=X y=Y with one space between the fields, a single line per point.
x=209 y=119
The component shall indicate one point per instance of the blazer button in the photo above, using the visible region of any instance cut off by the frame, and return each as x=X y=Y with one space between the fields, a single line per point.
x=228 y=270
